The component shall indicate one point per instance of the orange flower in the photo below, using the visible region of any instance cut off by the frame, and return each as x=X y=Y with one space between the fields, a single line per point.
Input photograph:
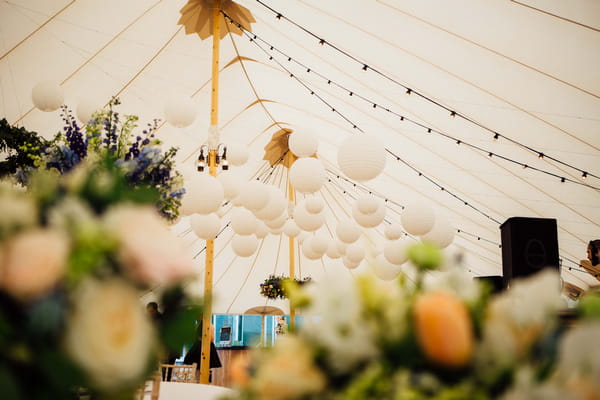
x=444 y=329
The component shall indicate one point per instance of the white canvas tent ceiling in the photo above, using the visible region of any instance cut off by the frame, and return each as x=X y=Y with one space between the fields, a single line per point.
x=526 y=70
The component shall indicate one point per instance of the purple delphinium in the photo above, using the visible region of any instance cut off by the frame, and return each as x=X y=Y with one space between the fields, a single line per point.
x=76 y=140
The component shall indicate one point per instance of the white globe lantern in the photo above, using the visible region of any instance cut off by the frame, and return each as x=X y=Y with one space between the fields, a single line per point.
x=314 y=204
x=394 y=251
x=203 y=194
x=237 y=154
x=350 y=264
x=243 y=222
x=205 y=226
x=86 y=109
x=308 y=251
x=254 y=195
x=180 y=111
x=232 y=182
x=417 y=218
x=278 y=222
x=307 y=175
x=291 y=228
x=302 y=236
x=442 y=233
x=261 y=230
x=332 y=250
x=244 y=246
x=384 y=270
x=276 y=205
x=368 y=204
x=361 y=157
x=355 y=252
x=393 y=231
x=307 y=221
x=347 y=231
x=303 y=143
x=47 y=96
x=320 y=242
x=368 y=220
x=341 y=246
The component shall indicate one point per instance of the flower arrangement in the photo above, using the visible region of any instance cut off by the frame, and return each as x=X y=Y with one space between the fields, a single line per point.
x=435 y=333
x=110 y=134
x=77 y=251
x=274 y=287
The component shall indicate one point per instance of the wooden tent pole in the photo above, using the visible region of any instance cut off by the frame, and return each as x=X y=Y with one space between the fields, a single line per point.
x=291 y=198
x=212 y=169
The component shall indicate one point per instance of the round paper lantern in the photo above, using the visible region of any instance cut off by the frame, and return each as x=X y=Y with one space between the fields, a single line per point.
x=254 y=195
x=368 y=204
x=221 y=211
x=341 y=247
x=307 y=175
x=332 y=250
x=261 y=230
x=278 y=222
x=350 y=264
x=180 y=111
x=291 y=229
x=231 y=181
x=368 y=220
x=237 y=154
x=417 y=218
x=442 y=233
x=302 y=236
x=244 y=246
x=361 y=157
x=347 y=231
x=237 y=201
x=243 y=222
x=276 y=205
x=307 y=221
x=394 y=251
x=393 y=231
x=355 y=252
x=47 y=96
x=308 y=251
x=303 y=144
x=320 y=242
x=205 y=226
x=383 y=269
x=86 y=108
x=314 y=204
x=277 y=231
x=203 y=194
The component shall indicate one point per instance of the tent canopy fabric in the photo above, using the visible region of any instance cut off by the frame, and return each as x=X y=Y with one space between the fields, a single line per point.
x=488 y=110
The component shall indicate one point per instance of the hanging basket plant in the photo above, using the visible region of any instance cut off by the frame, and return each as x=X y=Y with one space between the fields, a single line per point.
x=274 y=286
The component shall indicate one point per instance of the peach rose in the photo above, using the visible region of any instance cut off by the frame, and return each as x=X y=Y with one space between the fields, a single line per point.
x=149 y=250
x=444 y=329
x=33 y=262
x=108 y=333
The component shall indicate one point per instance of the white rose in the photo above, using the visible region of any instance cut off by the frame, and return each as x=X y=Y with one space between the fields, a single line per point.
x=108 y=333
x=149 y=250
x=33 y=262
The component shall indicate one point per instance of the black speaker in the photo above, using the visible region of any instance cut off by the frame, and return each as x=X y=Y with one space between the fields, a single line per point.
x=528 y=246
x=495 y=282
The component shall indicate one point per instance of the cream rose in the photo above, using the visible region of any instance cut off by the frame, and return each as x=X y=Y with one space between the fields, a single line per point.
x=33 y=262
x=288 y=372
x=149 y=250
x=108 y=333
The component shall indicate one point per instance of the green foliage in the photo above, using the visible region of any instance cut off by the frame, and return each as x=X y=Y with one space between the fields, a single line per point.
x=21 y=146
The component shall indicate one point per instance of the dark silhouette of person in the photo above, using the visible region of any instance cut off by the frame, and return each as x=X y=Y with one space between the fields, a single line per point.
x=157 y=317
x=193 y=355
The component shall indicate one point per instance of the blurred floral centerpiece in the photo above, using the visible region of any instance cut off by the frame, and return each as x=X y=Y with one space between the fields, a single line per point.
x=77 y=251
x=434 y=333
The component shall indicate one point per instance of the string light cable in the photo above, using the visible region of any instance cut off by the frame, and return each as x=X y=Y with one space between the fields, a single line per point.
x=365 y=66
x=254 y=38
